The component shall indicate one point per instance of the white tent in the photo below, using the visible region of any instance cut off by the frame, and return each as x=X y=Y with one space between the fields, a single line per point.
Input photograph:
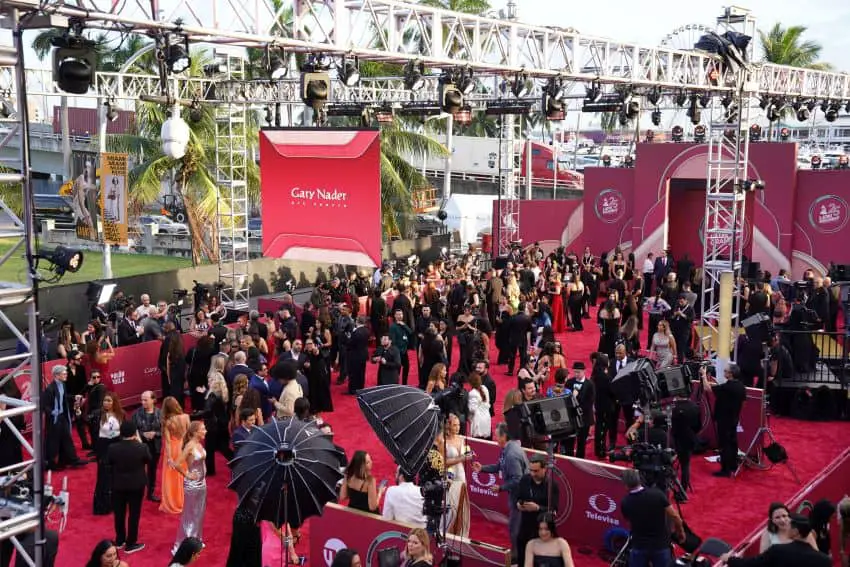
x=469 y=215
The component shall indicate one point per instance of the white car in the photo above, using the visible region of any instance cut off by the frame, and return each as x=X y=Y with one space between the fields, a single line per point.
x=165 y=224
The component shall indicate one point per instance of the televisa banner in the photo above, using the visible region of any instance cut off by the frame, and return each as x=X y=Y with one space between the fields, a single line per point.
x=339 y=527
x=321 y=193
x=590 y=494
x=752 y=417
x=114 y=197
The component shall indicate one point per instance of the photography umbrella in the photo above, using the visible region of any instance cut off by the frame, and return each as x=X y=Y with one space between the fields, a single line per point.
x=406 y=420
x=286 y=471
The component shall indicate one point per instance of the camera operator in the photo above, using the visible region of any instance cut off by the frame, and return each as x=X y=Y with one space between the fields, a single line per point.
x=453 y=400
x=533 y=499
x=648 y=512
x=729 y=398
x=583 y=392
x=686 y=424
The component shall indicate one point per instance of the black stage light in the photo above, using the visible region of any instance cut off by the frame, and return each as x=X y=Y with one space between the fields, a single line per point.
x=606 y=160
x=656 y=117
x=677 y=133
x=414 y=75
x=654 y=96
x=755 y=133
x=519 y=86
x=699 y=134
x=784 y=134
x=629 y=161
x=832 y=112
x=111 y=111
x=693 y=111
x=63 y=259
x=451 y=99
x=276 y=64
x=350 y=72
x=816 y=162
x=466 y=82
x=681 y=98
x=74 y=63
x=553 y=107
x=802 y=111
x=594 y=92
x=177 y=57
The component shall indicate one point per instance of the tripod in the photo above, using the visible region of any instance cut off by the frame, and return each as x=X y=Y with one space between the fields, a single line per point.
x=756 y=454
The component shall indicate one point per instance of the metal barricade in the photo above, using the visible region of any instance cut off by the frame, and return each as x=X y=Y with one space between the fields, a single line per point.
x=820 y=358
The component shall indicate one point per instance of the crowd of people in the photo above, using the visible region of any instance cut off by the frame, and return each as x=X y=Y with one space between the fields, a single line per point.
x=445 y=321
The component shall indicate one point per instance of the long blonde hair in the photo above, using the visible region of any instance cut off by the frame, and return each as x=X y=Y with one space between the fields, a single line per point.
x=425 y=540
x=217 y=386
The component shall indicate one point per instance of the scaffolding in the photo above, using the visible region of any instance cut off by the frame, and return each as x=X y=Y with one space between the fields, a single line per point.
x=232 y=155
x=724 y=234
x=510 y=182
x=23 y=511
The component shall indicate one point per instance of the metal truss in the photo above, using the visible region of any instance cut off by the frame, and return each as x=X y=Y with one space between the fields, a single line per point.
x=510 y=176
x=23 y=512
x=231 y=167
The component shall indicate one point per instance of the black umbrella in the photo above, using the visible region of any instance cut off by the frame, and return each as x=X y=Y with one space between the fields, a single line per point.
x=406 y=420
x=286 y=471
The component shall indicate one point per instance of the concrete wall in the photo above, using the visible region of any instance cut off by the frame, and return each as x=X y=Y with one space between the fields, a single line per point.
x=268 y=276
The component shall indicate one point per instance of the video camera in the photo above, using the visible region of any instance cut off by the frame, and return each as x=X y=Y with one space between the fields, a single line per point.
x=640 y=383
x=452 y=399
x=655 y=465
x=558 y=417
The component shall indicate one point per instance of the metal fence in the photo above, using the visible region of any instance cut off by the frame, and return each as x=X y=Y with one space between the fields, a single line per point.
x=820 y=358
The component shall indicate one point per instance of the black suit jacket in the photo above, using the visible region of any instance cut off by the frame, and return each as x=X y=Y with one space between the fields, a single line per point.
x=358 y=345
x=519 y=327
x=661 y=270
x=388 y=372
x=586 y=399
x=128 y=460
x=684 y=268
x=48 y=399
x=402 y=303
x=127 y=334
x=794 y=554
x=299 y=360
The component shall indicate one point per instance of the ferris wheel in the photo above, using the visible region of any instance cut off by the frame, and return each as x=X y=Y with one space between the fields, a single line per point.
x=684 y=37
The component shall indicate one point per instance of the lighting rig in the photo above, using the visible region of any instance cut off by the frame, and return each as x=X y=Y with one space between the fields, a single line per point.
x=74 y=61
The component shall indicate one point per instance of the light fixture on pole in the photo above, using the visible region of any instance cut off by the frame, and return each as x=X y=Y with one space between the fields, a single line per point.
x=451 y=99
x=349 y=72
x=177 y=55
x=315 y=81
x=74 y=62
x=414 y=75
x=175 y=134
x=277 y=66
x=802 y=111
x=62 y=259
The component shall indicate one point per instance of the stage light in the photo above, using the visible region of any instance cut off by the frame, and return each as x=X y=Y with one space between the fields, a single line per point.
x=177 y=56
x=269 y=118
x=100 y=293
x=755 y=133
x=847 y=107
x=606 y=160
x=593 y=93
x=463 y=116
x=654 y=96
x=656 y=117
x=195 y=113
x=681 y=98
x=774 y=110
x=705 y=99
x=350 y=72
x=693 y=111
x=553 y=107
x=631 y=108
x=7 y=109
x=384 y=115
x=466 y=82
x=629 y=161
x=451 y=99
x=727 y=100
x=816 y=162
x=677 y=134
x=174 y=135
x=831 y=113
x=802 y=111
x=650 y=135
x=414 y=73
x=315 y=81
x=74 y=63
x=519 y=86
x=277 y=66
x=699 y=134
x=784 y=134
x=555 y=88
x=764 y=101
x=63 y=259
x=750 y=185
x=111 y=111
x=843 y=162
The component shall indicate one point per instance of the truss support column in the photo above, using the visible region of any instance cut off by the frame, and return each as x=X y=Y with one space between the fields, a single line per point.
x=510 y=177
x=724 y=234
x=27 y=517
x=233 y=207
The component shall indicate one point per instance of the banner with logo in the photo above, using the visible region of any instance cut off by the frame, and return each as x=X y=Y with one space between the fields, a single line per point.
x=340 y=527
x=114 y=196
x=82 y=189
x=321 y=194
x=752 y=417
x=590 y=494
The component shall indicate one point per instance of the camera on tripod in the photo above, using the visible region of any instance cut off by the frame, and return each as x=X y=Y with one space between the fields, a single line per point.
x=558 y=417
x=655 y=465
x=639 y=383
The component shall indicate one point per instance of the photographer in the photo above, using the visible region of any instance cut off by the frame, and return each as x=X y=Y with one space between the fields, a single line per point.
x=533 y=499
x=583 y=392
x=648 y=512
x=686 y=425
x=729 y=398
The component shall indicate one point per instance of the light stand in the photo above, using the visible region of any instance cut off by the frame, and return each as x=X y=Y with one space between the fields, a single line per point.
x=285 y=539
x=755 y=453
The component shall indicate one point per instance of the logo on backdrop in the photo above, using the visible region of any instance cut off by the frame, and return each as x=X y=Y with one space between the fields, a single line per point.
x=481 y=483
x=601 y=509
x=331 y=548
x=319 y=198
x=388 y=540
x=610 y=206
x=723 y=240
x=828 y=214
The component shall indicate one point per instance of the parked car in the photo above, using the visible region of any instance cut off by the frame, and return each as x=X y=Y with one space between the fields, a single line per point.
x=56 y=208
x=165 y=224
x=255 y=228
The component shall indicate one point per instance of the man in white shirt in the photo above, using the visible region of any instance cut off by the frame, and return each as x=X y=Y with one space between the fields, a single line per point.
x=648 y=271
x=403 y=503
x=146 y=309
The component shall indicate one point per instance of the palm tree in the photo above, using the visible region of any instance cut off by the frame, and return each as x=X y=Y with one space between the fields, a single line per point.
x=476 y=7
x=192 y=177
x=784 y=46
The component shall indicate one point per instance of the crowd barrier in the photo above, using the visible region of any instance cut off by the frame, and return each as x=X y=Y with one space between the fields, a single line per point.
x=589 y=494
x=827 y=355
x=752 y=417
x=833 y=483
x=339 y=527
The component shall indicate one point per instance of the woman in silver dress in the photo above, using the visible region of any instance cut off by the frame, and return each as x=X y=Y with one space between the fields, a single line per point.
x=192 y=466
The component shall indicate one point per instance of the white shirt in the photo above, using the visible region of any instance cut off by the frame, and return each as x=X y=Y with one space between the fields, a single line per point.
x=403 y=503
x=147 y=310
x=620 y=364
x=648 y=266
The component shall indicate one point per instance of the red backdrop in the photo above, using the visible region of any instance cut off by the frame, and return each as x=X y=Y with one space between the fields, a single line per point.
x=800 y=220
x=321 y=194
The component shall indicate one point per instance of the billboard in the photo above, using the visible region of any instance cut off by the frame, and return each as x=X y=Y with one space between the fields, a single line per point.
x=84 y=193
x=114 y=196
x=321 y=195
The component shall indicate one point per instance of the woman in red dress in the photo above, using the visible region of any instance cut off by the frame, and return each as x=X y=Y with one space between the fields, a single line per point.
x=557 y=302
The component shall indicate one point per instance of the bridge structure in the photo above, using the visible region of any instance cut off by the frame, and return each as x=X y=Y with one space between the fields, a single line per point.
x=497 y=51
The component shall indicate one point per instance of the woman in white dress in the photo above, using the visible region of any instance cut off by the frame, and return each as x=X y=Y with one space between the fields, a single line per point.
x=664 y=346
x=456 y=454
x=478 y=405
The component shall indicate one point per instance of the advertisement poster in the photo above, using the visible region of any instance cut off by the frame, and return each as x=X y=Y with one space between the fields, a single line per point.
x=84 y=194
x=321 y=195
x=114 y=196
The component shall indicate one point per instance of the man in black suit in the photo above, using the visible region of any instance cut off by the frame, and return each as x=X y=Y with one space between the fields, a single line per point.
x=520 y=330
x=729 y=398
x=583 y=392
x=605 y=407
x=685 y=423
x=402 y=303
x=57 y=406
x=681 y=322
x=483 y=369
x=128 y=459
x=295 y=354
x=129 y=332
x=388 y=360
x=797 y=553
x=663 y=266
x=357 y=355
x=621 y=359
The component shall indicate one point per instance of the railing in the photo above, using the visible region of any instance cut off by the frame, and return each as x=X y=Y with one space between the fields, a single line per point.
x=537 y=182
x=424 y=199
x=820 y=358
x=36 y=134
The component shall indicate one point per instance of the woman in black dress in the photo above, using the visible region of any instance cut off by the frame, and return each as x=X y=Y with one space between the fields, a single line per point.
x=176 y=366
x=378 y=313
x=318 y=377
x=359 y=486
x=431 y=352
x=547 y=549
x=609 y=326
x=198 y=358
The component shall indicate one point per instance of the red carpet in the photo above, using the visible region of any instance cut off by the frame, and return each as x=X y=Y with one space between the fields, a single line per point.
x=728 y=509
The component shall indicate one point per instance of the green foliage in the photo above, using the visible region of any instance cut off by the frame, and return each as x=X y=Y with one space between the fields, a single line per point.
x=785 y=46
